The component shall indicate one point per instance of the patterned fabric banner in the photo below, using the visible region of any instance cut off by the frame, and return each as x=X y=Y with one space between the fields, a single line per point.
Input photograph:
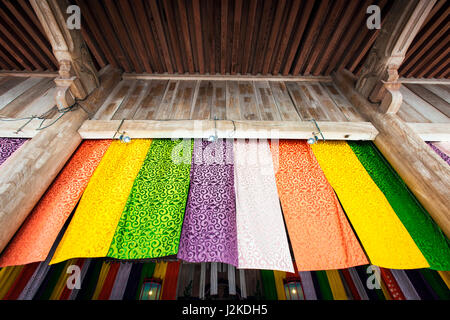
x=428 y=237
x=8 y=146
x=37 y=234
x=383 y=236
x=92 y=228
x=209 y=229
x=262 y=240
x=150 y=225
x=311 y=211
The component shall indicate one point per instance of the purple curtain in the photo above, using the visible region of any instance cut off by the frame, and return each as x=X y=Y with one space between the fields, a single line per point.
x=209 y=230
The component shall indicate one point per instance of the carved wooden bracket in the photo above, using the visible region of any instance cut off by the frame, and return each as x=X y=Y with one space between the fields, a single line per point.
x=77 y=75
x=392 y=99
x=386 y=56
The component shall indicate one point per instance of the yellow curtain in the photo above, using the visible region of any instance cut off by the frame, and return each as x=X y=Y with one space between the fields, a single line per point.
x=383 y=236
x=92 y=228
x=160 y=273
x=279 y=277
x=101 y=280
x=336 y=285
x=7 y=279
x=62 y=281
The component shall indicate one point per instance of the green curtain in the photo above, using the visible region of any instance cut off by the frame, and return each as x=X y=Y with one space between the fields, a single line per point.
x=150 y=225
x=433 y=244
x=325 y=289
x=268 y=282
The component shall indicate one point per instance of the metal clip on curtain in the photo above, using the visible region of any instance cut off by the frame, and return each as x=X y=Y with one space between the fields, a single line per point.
x=315 y=138
x=123 y=137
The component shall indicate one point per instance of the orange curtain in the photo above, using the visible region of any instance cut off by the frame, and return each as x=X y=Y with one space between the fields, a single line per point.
x=320 y=234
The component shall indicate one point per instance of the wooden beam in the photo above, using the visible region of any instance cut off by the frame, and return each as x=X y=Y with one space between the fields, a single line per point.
x=431 y=131
x=423 y=171
x=77 y=74
x=401 y=25
x=27 y=74
x=28 y=173
x=424 y=81
x=237 y=77
x=98 y=129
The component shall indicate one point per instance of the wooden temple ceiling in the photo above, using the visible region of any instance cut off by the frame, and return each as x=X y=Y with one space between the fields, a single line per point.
x=273 y=37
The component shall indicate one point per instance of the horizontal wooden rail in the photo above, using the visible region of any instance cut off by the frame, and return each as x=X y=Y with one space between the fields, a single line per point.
x=105 y=129
x=431 y=131
x=238 y=77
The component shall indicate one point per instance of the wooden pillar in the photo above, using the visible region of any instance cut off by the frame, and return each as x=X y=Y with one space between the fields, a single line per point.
x=77 y=74
x=29 y=172
x=379 y=74
x=423 y=171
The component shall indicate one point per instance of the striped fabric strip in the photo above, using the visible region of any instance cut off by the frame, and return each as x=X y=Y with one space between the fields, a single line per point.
x=92 y=227
x=213 y=283
x=34 y=283
x=8 y=276
x=65 y=295
x=21 y=281
x=62 y=281
x=307 y=285
x=150 y=224
x=279 y=276
x=391 y=285
x=358 y=284
x=84 y=269
x=109 y=281
x=121 y=281
x=336 y=286
x=231 y=280
x=269 y=287
x=383 y=236
x=426 y=234
x=101 y=280
x=201 y=293
x=261 y=235
x=311 y=209
x=405 y=285
x=351 y=284
x=38 y=233
x=324 y=285
x=243 y=283
x=171 y=281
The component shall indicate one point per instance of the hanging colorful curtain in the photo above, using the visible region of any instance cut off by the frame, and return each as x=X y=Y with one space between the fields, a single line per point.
x=8 y=146
x=336 y=285
x=93 y=225
x=311 y=211
x=428 y=237
x=169 y=291
x=209 y=228
x=262 y=240
x=109 y=281
x=150 y=224
x=383 y=236
x=37 y=234
x=269 y=286
x=8 y=277
x=121 y=281
x=147 y=272
x=21 y=281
